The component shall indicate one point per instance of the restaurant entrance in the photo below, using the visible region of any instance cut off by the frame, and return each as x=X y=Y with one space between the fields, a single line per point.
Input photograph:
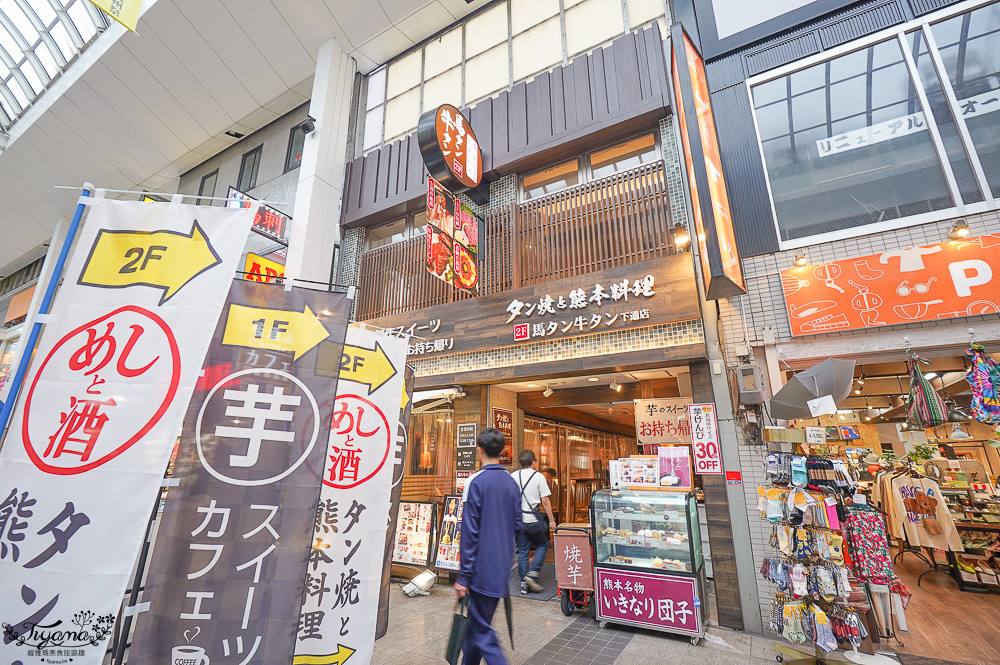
x=577 y=424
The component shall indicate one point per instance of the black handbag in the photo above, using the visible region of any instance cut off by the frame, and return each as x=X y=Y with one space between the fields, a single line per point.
x=459 y=626
x=538 y=529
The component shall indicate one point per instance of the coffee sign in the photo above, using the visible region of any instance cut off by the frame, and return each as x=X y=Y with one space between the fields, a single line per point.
x=450 y=149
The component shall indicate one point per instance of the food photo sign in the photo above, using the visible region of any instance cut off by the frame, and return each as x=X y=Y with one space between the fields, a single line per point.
x=452 y=239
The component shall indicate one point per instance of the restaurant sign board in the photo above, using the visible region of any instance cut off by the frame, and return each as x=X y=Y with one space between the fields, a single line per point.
x=637 y=295
x=713 y=219
x=449 y=148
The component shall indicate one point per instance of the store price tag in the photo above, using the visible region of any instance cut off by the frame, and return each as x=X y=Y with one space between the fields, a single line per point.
x=705 y=439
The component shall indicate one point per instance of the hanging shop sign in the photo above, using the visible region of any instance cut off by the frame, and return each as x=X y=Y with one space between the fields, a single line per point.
x=503 y=420
x=343 y=582
x=452 y=239
x=450 y=540
x=89 y=440
x=929 y=283
x=705 y=439
x=720 y=260
x=637 y=295
x=661 y=422
x=228 y=571
x=262 y=270
x=267 y=221
x=449 y=148
x=414 y=533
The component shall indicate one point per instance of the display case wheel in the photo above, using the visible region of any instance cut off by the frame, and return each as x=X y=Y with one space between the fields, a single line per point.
x=695 y=640
x=603 y=624
x=593 y=607
x=566 y=603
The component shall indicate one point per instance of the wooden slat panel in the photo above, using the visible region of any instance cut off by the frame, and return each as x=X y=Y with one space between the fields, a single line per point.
x=538 y=98
x=395 y=150
x=369 y=167
x=617 y=221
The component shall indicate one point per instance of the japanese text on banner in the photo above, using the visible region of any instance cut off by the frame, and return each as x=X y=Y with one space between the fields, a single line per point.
x=91 y=436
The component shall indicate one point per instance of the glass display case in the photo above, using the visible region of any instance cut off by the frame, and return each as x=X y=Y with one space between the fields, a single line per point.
x=649 y=566
x=647 y=529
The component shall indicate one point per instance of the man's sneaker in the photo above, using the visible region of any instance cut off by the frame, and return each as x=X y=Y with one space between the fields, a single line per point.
x=531 y=581
x=524 y=589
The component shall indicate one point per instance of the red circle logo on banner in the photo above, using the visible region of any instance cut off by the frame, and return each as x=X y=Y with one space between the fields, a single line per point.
x=101 y=388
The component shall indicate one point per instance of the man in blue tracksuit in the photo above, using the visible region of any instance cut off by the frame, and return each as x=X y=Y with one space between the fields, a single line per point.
x=491 y=516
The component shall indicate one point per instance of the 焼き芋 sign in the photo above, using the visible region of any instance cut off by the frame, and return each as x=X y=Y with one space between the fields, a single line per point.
x=943 y=281
x=96 y=421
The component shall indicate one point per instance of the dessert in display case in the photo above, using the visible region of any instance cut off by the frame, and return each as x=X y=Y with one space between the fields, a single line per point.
x=649 y=567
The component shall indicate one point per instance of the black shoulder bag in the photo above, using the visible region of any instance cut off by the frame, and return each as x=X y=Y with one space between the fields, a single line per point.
x=538 y=529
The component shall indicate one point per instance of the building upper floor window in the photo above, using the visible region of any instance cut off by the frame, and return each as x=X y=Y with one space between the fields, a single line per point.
x=207 y=187
x=552 y=179
x=296 y=139
x=592 y=166
x=874 y=139
x=412 y=226
x=248 y=169
x=624 y=156
x=504 y=43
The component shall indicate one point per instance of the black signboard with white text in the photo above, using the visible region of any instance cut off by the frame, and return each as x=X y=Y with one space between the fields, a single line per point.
x=228 y=570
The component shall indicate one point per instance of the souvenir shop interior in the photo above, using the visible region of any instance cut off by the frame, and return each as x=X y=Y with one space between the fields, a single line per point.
x=885 y=513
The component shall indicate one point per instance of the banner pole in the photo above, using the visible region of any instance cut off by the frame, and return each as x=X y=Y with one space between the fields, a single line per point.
x=36 y=328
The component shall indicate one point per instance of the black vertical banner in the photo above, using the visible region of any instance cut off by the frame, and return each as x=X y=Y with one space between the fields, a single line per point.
x=228 y=570
x=399 y=465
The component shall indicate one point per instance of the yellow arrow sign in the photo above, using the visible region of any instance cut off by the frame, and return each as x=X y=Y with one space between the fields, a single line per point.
x=161 y=259
x=339 y=658
x=274 y=329
x=369 y=367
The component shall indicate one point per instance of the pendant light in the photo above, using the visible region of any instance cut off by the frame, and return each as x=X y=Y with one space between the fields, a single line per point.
x=911 y=427
x=869 y=411
x=958 y=433
x=955 y=412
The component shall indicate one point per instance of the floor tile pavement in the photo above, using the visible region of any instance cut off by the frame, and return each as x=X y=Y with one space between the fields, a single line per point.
x=419 y=627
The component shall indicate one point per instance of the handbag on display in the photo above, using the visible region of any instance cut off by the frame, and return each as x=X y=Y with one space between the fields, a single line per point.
x=459 y=626
x=926 y=407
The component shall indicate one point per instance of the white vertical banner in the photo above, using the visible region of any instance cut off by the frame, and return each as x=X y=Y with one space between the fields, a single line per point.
x=98 y=415
x=344 y=576
x=705 y=439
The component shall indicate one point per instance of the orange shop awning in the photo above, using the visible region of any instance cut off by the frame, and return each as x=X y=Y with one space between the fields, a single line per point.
x=19 y=305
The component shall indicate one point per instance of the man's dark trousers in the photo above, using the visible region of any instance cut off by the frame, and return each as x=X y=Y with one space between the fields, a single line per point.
x=480 y=640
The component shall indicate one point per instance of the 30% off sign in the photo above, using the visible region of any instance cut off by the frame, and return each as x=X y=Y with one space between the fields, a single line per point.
x=705 y=439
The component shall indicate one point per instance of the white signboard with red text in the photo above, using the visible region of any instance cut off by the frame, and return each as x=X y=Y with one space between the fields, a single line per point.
x=705 y=439
x=365 y=418
x=98 y=415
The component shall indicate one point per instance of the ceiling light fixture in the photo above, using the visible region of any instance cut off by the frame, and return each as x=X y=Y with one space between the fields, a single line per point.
x=959 y=230
x=532 y=385
x=800 y=258
x=593 y=379
x=930 y=375
x=548 y=391
x=617 y=387
x=911 y=427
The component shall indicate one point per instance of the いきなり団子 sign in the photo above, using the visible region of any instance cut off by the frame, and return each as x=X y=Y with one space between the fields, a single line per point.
x=943 y=281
